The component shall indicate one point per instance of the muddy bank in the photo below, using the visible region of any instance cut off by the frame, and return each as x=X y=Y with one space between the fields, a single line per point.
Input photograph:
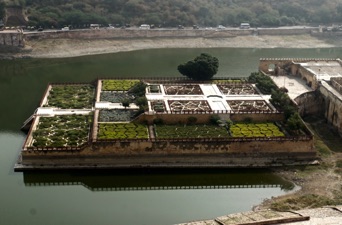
x=58 y=48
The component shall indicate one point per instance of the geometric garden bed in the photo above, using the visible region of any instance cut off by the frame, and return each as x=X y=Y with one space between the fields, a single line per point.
x=249 y=105
x=255 y=130
x=108 y=131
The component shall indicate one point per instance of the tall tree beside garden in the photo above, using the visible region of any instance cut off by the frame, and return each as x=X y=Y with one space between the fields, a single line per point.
x=203 y=67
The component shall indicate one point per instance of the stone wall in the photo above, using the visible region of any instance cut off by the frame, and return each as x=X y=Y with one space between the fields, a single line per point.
x=333 y=105
x=310 y=103
x=248 y=153
x=15 y=39
x=336 y=82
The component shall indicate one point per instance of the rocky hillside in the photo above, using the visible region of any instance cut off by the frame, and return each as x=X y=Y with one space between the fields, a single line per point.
x=165 y=13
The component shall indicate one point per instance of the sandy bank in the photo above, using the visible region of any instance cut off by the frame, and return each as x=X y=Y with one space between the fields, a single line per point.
x=57 y=48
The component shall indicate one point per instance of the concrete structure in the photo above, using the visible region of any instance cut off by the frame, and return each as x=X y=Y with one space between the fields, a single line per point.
x=210 y=99
x=314 y=84
x=321 y=216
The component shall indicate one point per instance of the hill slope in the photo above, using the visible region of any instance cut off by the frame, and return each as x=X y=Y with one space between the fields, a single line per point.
x=174 y=12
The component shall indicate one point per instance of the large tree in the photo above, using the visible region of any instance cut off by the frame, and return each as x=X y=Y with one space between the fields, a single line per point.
x=2 y=10
x=203 y=67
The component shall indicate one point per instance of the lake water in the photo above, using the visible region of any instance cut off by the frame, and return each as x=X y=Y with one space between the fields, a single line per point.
x=123 y=197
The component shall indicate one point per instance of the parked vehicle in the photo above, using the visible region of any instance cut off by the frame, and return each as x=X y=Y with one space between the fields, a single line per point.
x=94 y=26
x=221 y=27
x=145 y=26
x=245 y=26
x=65 y=28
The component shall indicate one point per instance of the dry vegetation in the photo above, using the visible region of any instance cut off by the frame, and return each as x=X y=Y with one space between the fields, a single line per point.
x=320 y=184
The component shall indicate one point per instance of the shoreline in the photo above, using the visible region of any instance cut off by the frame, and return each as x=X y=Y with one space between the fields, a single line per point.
x=64 y=48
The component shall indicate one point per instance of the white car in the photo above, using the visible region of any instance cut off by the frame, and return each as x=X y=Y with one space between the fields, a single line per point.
x=220 y=27
x=65 y=28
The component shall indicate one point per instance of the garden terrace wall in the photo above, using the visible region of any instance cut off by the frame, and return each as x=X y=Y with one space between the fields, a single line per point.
x=202 y=118
x=257 y=116
x=175 y=153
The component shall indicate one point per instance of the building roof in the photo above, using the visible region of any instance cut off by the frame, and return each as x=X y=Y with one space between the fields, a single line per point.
x=323 y=69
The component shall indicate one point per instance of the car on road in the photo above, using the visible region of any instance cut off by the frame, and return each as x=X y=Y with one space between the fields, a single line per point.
x=145 y=26
x=221 y=27
x=65 y=28
x=245 y=26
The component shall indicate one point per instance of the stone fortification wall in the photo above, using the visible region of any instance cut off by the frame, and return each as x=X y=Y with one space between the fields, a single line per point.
x=15 y=39
x=248 y=153
x=333 y=105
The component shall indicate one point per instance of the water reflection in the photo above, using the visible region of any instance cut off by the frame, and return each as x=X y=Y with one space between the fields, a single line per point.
x=123 y=180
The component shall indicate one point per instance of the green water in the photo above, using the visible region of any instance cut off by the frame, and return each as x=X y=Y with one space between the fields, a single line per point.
x=122 y=197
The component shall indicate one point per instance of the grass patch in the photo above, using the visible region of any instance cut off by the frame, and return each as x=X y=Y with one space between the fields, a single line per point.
x=255 y=130
x=301 y=202
x=118 y=85
x=71 y=96
x=327 y=139
x=62 y=131
x=122 y=131
x=190 y=131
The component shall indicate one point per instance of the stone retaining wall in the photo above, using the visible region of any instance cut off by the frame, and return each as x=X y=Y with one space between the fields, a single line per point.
x=15 y=39
x=249 y=153
x=161 y=33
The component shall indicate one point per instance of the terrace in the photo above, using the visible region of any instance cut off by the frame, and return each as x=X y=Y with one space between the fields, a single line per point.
x=114 y=122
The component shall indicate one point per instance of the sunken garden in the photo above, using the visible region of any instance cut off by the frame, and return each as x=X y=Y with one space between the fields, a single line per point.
x=123 y=123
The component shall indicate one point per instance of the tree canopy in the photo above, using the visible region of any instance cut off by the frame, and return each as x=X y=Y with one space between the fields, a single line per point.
x=2 y=10
x=203 y=67
x=179 y=12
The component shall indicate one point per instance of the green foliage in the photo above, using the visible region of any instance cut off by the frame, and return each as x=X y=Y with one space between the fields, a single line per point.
x=125 y=103
x=71 y=96
x=214 y=119
x=192 y=120
x=203 y=67
x=264 y=83
x=294 y=122
x=116 y=115
x=118 y=85
x=141 y=102
x=255 y=130
x=138 y=90
x=190 y=131
x=282 y=102
x=2 y=10
x=122 y=131
x=175 y=12
x=62 y=131
x=158 y=121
